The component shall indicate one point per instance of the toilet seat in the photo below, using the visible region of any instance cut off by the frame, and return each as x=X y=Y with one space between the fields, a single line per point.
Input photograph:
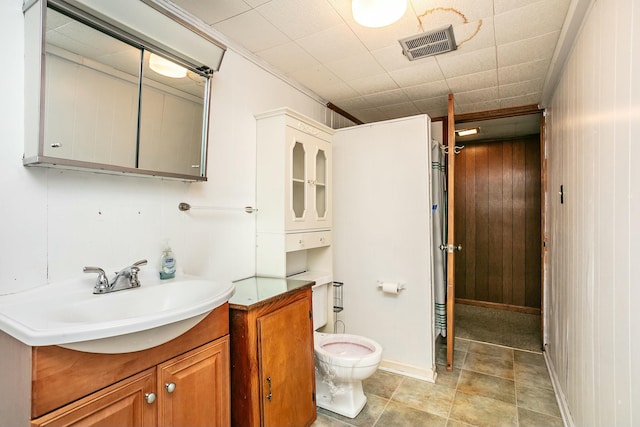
x=346 y=350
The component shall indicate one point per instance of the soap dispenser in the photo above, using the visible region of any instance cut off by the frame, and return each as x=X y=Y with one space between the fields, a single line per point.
x=167 y=264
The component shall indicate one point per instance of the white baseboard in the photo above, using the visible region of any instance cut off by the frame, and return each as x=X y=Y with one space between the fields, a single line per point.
x=567 y=419
x=417 y=372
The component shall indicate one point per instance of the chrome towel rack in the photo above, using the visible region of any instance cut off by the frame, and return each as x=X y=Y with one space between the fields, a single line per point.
x=182 y=206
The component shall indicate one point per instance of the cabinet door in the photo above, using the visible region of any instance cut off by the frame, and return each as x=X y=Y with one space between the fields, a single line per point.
x=193 y=389
x=286 y=366
x=308 y=182
x=122 y=404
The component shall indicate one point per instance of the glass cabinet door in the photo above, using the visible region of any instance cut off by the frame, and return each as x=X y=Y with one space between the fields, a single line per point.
x=321 y=183
x=298 y=181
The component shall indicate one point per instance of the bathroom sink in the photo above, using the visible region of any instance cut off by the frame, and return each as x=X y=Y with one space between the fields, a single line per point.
x=69 y=315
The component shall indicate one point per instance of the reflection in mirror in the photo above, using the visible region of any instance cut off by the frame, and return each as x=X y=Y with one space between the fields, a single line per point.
x=171 y=117
x=91 y=98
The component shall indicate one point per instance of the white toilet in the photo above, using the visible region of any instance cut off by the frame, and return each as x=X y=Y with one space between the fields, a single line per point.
x=342 y=362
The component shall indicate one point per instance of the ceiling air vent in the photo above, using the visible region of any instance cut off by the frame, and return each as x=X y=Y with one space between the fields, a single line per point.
x=429 y=44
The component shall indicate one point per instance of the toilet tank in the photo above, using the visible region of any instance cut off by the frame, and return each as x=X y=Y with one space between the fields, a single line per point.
x=320 y=301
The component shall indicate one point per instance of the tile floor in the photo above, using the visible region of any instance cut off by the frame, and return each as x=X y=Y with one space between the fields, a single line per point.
x=490 y=386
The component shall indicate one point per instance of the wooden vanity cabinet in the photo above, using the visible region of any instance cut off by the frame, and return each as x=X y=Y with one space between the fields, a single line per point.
x=272 y=370
x=185 y=382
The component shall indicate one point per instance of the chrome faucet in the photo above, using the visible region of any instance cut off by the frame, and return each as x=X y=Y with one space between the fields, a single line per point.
x=104 y=285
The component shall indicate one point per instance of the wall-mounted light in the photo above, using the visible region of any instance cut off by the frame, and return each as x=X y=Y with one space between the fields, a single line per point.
x=467 y=132
x=165 y=67
x=378 y=13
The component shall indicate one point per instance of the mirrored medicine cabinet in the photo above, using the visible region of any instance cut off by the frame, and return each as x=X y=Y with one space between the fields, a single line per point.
x=104 y=96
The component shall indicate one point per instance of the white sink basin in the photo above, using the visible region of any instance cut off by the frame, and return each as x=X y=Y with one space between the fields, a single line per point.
x=69 y=315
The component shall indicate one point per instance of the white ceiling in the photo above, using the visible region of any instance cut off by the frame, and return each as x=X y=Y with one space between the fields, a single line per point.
x=504 y=51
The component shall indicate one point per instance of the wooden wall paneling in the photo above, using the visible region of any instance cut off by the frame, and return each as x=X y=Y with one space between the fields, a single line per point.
x=532 y=224
x=461 y=224
x=518 y=222
x=507 y=223
x=469 y=241
x=482 y=223
x=494 y=249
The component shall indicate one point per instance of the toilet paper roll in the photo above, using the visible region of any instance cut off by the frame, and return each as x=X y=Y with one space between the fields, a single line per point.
x=390 y=288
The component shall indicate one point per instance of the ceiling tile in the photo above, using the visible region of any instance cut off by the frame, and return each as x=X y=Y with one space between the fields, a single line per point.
x=391 y=58
x=502 y=6
x=493 y=104
x=474 y=35
x=389 y=97
x=372 y=84
x=522 y=72
x=300 y=18
x=213 y=12
x=252 y=31
x=424 y=70
x=333 y=43
x=476 y=81
x=404 y=109
x=288 y=56
x=369 y=115
x=527 y=50
x=256 y=3
x=378 y=38
x=521 y=88
x=428 y=90
x=475 y=96
x=452 y=11
x=315 y=77
x=542 y=17
x=469 y=63
x=521 y=100
x=355 y=67
x=355 y=103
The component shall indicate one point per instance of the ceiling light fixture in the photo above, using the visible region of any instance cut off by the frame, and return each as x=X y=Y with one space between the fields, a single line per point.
x=467 y=132
x=378 y=13
x=165 y=67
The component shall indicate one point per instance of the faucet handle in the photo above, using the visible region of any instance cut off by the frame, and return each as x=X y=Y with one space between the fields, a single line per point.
x=102 y=283
x=139 y=263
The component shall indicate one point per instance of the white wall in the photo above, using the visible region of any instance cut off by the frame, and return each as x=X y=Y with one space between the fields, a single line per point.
x=382 y=232
x=54 y=222
x=593 y=293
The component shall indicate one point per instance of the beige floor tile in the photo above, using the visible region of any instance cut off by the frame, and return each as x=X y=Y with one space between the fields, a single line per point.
x=528 y=418
x=537 y=399
x=529 y=358
x=458 y=357
x=447 y=378
x=399 y=415
x=425 y=396
x=489 y=365
x=488 y=386
x=532 y=375
x=326 y=421
x=483 y=411
x=382 y=384
x=367 y=417
x=491 y=350
x=456 y=423
x=461 y=344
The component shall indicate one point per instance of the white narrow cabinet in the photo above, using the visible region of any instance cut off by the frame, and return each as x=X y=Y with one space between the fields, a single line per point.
x=293 y=192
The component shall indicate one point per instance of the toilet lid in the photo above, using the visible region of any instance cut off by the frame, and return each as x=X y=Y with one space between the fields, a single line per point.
x=350 y=349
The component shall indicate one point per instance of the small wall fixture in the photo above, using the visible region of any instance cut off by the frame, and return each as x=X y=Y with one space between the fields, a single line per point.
x=378 y=13
x=467 y=132
x=165 y=67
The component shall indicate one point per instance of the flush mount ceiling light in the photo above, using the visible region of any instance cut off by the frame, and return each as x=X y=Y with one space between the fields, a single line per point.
x=166 y=67
x=467 y=132
x=378 y=13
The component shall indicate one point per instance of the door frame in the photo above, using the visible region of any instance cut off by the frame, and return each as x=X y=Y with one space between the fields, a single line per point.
x=449 y=134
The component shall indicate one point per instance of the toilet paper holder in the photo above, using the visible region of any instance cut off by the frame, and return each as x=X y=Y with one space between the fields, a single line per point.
x=391 y=287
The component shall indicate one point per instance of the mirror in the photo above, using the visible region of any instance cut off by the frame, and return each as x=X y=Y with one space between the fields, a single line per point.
x=107 y=104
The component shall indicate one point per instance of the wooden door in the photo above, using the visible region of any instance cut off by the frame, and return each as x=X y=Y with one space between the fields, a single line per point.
x=286 y=365
x=123 y=404
x=194 y=389
x=451 y=288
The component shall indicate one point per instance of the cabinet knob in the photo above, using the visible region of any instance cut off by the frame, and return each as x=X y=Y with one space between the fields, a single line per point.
x=301 y=242
x=270 y=395
x=170 y=387
x=150 y=397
